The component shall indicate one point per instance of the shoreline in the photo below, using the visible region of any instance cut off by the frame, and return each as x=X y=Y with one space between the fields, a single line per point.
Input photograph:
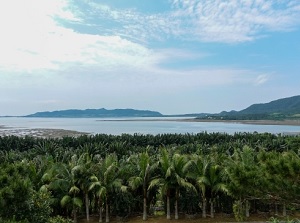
x=253 y=122
x=250 y=122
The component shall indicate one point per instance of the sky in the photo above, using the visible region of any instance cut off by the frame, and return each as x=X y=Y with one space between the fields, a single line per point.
x=171 y=56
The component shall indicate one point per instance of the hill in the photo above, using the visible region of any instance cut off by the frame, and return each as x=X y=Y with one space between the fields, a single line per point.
x=96 y=113
x=285 y=108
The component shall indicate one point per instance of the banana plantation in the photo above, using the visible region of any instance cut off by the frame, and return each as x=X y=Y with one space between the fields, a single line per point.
x=177 y=175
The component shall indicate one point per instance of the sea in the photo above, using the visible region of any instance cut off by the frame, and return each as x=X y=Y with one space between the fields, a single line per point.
x=118 y=126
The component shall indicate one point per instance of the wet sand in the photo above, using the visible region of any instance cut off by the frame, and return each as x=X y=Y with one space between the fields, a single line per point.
x=39 y=132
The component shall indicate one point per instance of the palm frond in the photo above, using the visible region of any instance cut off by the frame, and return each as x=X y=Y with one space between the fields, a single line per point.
x=154 y=182
x=135 y=182
x=65 y=200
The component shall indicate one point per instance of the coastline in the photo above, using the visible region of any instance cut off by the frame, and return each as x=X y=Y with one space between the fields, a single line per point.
x=250 y=122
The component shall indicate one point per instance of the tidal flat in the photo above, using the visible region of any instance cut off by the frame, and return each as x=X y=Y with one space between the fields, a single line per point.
x=39 y=132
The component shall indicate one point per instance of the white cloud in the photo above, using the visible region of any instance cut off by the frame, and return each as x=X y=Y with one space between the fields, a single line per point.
x=205 y=20
x=261 y=79
x=32 y=39
x=237 y=21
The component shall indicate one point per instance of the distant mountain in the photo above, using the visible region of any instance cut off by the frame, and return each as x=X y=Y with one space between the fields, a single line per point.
x=285 y=108
x=289 y=105
x=96 y=113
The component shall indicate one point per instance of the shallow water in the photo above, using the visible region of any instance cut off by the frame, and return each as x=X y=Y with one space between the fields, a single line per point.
x=139 y=125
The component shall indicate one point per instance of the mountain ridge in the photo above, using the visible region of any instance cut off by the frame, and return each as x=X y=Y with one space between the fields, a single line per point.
x=279 y=109
x=283 y=108
x=285 y=105
x=96 y=113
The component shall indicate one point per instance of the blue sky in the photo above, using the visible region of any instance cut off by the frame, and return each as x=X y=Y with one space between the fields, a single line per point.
x=171 y=56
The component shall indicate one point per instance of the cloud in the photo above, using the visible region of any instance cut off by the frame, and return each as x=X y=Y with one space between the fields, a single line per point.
x=33 y=39
x=202 y=20
x=261 y=79
x=237 y=21
x=39 y=35
x=39 y=49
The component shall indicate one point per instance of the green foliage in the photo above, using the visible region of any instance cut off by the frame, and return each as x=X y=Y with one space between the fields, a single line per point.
x=13 y=221
x=40 y=209
x=18 y=199
x=59 y=219
x=122 y=203
x=273 y=220
x=239 y=211
x=15 y=191
x=76 y=175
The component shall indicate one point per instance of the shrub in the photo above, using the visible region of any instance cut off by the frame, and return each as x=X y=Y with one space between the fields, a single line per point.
x=60 y=219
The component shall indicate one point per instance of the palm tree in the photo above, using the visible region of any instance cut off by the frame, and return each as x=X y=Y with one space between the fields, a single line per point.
x=144 y=169
x=243 y=178
x=84 y=171
x=107 y=181
x=198 y=167
x=62 y=178
x=215 y=183
x=96 y=185
x=173 y=170
x=72 y=200
x=281 y=175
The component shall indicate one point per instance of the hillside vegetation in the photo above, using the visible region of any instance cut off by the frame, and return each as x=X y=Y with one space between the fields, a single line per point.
x=285 y=108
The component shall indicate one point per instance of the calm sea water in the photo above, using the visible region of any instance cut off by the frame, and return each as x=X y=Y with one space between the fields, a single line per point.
x=97 y=125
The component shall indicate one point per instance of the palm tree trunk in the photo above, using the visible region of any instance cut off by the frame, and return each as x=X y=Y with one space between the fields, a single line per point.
x=75 y=215
x=247 y=209
x=168 y=207
x=212 y=212
x=106 y=211
x=203 y=207
x=87 y=207
x=176 y=203
x=284 y=210
x=145 y=209
x=100 y=210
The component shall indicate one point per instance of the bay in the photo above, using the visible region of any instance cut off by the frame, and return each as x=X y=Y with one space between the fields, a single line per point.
x=139 y=125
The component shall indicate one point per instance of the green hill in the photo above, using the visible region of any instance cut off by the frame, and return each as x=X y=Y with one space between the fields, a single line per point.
x=285 y=108
x=96 y=113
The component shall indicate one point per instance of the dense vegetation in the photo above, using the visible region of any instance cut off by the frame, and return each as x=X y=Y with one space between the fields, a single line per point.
x=289 y=105
x=55 y=180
